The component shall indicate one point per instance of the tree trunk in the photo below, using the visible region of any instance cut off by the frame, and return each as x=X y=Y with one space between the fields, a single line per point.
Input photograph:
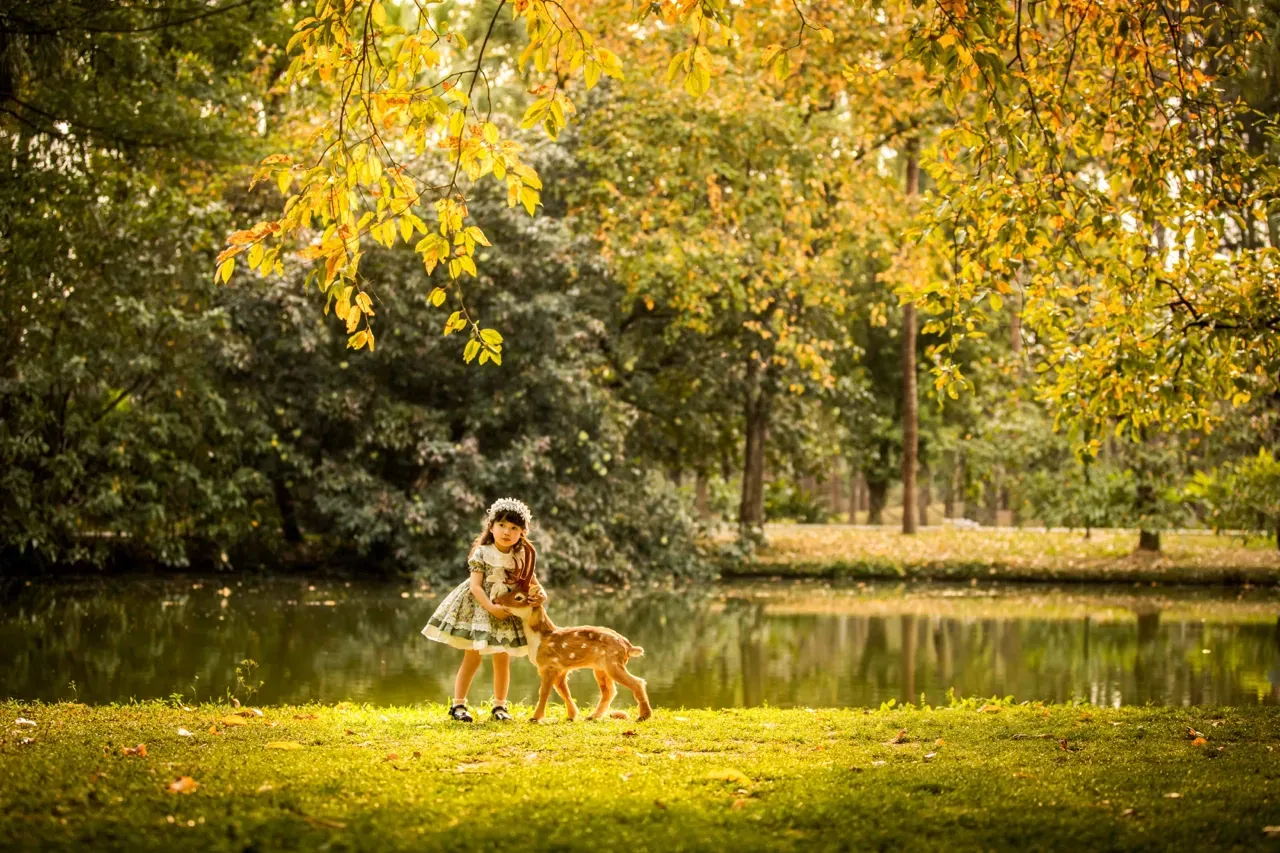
x=949 y=486
x=993 y=500
x=751 y=508
x=1149 y=540
x=702 y=498
x=288 y=513
x=855 y=493
x=910 y=413
x=834 y=497
x=877 y=497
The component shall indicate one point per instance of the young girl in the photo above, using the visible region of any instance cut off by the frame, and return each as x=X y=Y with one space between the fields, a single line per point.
x=468 y=619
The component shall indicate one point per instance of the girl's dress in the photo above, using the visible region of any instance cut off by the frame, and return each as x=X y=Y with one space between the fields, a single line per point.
x=461 y=622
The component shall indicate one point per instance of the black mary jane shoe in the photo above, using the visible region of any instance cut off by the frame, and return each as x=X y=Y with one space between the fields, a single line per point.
x=459 y=713
x=501 y=714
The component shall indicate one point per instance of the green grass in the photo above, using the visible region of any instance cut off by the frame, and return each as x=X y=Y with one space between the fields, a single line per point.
x=1006 y=554
x=962 y=778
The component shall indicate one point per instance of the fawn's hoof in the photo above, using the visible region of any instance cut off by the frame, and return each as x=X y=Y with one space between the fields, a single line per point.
x=644 y=715
x=535 y=719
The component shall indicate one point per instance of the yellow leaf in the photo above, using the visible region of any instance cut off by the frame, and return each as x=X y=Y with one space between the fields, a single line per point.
x=472 y=348
x=379 y=14
x=183 y=785
x=591 y=72
x=782 y=67
x=283 y=180
x=827 y=35
x=437 y=297
x=233 y=720
x=358 y=340
x=490 y=336
x=224 y=270
x=490 y=133
x=365 y=303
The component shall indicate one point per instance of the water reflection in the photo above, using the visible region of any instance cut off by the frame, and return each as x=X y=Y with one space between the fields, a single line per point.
x=780 y=645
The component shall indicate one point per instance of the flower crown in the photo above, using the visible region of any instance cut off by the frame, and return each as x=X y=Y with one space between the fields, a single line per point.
x=509 y=505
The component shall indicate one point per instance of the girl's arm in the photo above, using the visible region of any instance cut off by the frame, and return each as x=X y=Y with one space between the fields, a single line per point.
x=477 y=590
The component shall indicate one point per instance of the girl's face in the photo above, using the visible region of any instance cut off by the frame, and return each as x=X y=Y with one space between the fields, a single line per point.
x=506 y=534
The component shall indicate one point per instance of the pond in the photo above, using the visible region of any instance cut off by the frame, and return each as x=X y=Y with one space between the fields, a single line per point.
x=785 y=645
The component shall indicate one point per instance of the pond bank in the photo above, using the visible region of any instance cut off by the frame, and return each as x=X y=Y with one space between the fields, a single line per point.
x=972 y=776
x=841 y=552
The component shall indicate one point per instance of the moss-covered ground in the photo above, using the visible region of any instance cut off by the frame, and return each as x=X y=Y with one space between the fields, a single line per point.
x=972 y=776
x=1006 y=554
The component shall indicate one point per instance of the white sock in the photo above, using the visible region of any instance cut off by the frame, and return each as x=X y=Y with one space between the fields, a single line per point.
x=462 y=702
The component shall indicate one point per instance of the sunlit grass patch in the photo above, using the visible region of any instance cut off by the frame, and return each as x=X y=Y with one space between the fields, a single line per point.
x=947 y=553
x=976 y=775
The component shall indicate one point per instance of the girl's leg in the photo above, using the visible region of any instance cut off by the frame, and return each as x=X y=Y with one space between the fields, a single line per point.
x=466 y=672
x=501 y=678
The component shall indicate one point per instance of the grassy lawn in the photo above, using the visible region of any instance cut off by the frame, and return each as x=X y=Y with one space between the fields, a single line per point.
x=369 y=778
x=944 y=553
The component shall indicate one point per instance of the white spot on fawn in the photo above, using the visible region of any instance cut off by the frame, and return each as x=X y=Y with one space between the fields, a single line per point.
x=572 y=656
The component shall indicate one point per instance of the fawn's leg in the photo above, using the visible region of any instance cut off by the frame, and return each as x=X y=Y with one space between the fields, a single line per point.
x=544 y=693
x=562 y=687
x=607 y=692
x=636 y=686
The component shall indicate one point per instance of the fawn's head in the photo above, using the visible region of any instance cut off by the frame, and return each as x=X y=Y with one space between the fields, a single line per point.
x=516 y=597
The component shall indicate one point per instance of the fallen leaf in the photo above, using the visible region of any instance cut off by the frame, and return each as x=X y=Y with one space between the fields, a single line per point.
x=1022 y=775
x=350 y=732
x=26 y=741
x=660 y=804
x=1271 y=831
x=248 y=712
x=235 y=703
x=184 y=733
x=901 y=736
x=728 y=775
x=140 y=750
x=1199 y=742
x=417 y=754
x=1062 y=744
x=878 y=763
x=739 y=804
x=232 y=720
x=183 y=785
x=265 y=787
x=391 y=756
x=1086 y=716
x=213 y=730
x=1192 y=733
x=1128 y=813
x=1173 y=796
x=624 y=776
x=306 y=716
x=939 y=742
x=23 y=721
x=990 y=709
x=284 y=744
x=929 y=756
x=628 y=733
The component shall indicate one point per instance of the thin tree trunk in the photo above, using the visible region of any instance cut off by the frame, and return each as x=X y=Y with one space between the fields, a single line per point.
x=877 y=497
x=949 y=486
x=926 y=494
x=1149 y=540
x=855 y=494
x=993 y=500
x=288 y=514
x=702 y=498
x=751 y=508
x=910 y=413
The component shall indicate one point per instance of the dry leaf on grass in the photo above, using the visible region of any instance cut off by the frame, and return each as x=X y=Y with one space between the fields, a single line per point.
x=1199 y=742
x=901 y=737
x=306 y=716
x=265 y=787
x=248 y=712
x=629 y=733
x=233 y=720
x=183 y=785
x=23 y=721
x=990 y=709
x=140 y=750
x=739 y=804
x=1271 y=831
x=284 y=744
x=1173 y=795
x=391 y=756
x=184 y=733
x=1192 y=733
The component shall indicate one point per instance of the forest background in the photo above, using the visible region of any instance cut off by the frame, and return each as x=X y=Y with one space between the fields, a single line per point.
x=708 y=322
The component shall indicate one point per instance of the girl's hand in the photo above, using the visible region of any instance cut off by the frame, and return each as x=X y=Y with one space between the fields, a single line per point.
x=499 y=612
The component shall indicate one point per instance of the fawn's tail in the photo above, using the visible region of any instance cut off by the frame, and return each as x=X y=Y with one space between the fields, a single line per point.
x=635 y=652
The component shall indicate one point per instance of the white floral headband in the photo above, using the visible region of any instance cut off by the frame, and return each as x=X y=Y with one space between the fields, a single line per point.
x=509 y=505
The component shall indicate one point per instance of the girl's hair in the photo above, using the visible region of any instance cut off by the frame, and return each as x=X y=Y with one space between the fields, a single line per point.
x=525 y=555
